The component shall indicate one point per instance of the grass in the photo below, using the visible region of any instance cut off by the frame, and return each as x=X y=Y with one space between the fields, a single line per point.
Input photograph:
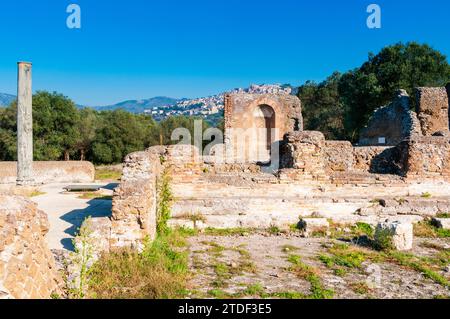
x=159 y=272
x=311 y=275
x=426 y=229
x=36 y=193
x=426 y=195
x=422 y=265
x=102 y=174
x=228 y=231
x=95 y=195
x=443 y=215
x=360 y=288
x=342 y=257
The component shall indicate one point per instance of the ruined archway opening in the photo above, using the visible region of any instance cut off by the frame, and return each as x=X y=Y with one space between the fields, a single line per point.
x=264 y=122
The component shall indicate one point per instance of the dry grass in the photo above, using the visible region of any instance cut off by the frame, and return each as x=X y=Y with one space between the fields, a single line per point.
x=160 y=272
x=105 y=174
x=95 y=195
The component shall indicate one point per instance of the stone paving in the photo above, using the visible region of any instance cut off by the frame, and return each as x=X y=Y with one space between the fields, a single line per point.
x=66 y=212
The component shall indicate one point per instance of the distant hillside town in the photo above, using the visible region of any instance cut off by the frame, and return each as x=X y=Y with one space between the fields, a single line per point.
x=161 y=107
x=211 y=105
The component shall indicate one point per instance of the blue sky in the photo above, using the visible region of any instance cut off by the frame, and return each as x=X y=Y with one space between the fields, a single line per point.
x=142 y=48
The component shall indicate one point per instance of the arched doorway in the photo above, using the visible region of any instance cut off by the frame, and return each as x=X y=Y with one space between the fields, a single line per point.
x=264 y=122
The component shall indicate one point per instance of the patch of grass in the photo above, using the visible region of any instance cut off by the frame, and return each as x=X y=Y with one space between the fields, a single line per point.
x=159 y=272
x=426 y=195
x=228 y=231
x=383 y=240
x=360 y=288
x=102 y=174
x=94 y=195
x=218 y=294
x=255 y=290
x=426 y=229
x=36 y=193
x=443 y=215
x=310 y=274
x=288 y=295
x=421 y=265
x=274 y=230
x=197 y=217
x=363 y=229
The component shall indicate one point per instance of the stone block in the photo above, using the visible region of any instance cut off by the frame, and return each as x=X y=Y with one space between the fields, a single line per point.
x=441 y=222
x=309 y=225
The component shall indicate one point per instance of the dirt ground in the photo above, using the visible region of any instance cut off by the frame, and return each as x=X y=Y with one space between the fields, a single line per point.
x=288 y=266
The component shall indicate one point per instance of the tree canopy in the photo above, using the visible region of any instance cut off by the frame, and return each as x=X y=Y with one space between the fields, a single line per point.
x=350 y=99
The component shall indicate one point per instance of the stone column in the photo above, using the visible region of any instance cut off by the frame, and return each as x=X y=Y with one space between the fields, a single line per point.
x=24 y=125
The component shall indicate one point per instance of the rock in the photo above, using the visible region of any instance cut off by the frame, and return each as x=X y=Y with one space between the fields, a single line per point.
x=308 y=225
x=396 y=235
x=447 y=268
x=441 y=222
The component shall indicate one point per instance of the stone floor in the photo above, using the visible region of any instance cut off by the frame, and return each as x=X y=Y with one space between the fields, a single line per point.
x=66 y=212
x=256 y=265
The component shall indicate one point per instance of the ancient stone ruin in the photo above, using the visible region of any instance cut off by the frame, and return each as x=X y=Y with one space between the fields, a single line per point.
x=325 y=179
x=27 y=267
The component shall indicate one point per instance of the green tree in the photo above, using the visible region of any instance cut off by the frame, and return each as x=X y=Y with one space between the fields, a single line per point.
x=400 y=66
x=322 y=108
x=55 y=133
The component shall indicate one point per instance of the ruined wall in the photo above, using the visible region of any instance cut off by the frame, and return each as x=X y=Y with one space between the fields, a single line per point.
x=135 y=200
x=338 y=156
x=432 y=109
x=51 y=172
x=27 y=267
x=425 y=157
x=393 y=123
x=254 y=113
x=304 y=152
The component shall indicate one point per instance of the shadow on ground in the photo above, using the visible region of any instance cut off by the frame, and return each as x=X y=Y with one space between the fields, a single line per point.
x=97 y=208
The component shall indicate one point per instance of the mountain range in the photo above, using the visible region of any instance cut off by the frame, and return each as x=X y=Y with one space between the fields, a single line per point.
x=6 y=99
x=163 y=106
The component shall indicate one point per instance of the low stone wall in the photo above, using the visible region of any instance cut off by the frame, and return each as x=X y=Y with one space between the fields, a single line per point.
x=51 y=172
x=338 y=156
x=303 y=152
x=135 y=200
x=27 y=267
x=425 y=157
x=375 y=159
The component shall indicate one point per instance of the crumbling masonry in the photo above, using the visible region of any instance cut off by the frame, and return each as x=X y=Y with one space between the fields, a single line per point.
x=328 y=179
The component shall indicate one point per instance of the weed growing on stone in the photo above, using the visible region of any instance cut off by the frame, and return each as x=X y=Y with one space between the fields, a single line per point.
x=164 y=201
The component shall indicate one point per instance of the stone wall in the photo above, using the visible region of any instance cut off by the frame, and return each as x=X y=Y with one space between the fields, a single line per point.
x=338 y=156
x=432 y=109
x=304 y=152
x=425 y=157
x=27 y=267
x=250 y=118
x=391 y=124
x=135 y=200
x=51 y=172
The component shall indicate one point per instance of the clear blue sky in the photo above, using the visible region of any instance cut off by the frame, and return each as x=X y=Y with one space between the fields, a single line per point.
x=141 y=48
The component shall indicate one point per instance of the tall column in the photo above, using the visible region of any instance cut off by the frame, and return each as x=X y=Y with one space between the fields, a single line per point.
x=24 y=125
